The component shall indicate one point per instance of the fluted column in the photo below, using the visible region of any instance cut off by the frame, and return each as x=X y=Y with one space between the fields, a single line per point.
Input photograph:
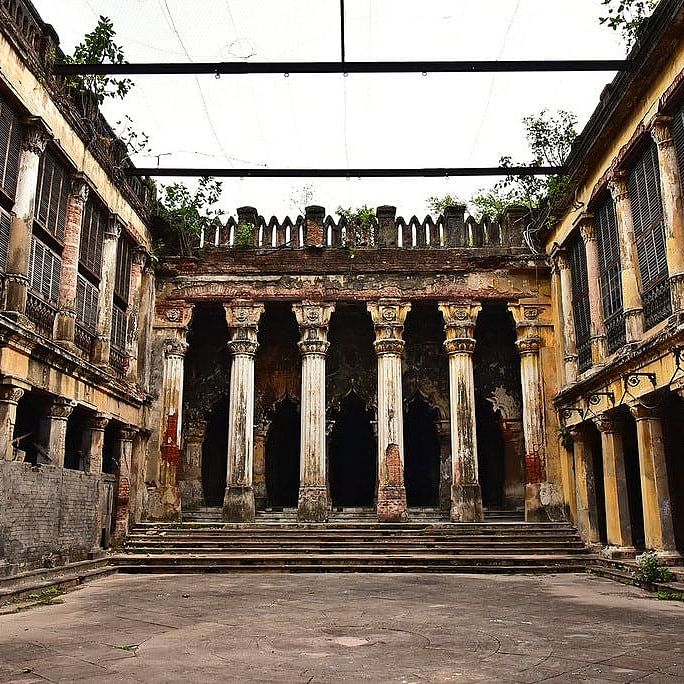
x=585 y=486
x=191 y=480
x=65 y=321
x=123 y=483
x=597 y=326
x=655 y=488
x=673 y=207
x=243 y=322
x=54 y=430
x=618 y=520
x=560 y=258
x=105 y=298
x=10 y=395
x=134 y=307
x=36 y=136
x=629 y=260
x=388 y=317
x=93 y=442
x=466 y=496
x=313 y=320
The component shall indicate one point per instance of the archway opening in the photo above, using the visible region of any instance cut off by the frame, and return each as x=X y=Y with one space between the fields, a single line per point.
x=74 y=452
x=599 y=487
x=31 y=410
x=491 y=452
x=353 y=469
x=215 y=454
x=421 y=453
x=282 y=455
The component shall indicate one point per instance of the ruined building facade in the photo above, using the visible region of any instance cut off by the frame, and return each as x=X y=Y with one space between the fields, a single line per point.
x=402 y=366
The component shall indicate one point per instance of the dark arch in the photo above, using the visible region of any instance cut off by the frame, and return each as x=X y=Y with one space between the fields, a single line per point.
x=353 y=469
x=421 y=453
x=215 y=454
x=282 y=455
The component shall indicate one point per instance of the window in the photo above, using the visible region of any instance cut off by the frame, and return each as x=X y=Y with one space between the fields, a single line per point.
x=95 y=218
x=52 y=196
x=678 y=135
x=649 y=233
x=10 y=148
x=610 y=269
x=580 y=301
x=44 y=271
x=86 y=303
x=5 y=222
x=119 y=325
x=124 y=260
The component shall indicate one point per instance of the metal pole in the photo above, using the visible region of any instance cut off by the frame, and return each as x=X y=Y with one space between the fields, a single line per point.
x=342 y=48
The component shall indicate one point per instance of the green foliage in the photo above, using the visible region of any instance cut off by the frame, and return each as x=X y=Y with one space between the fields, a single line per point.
x=650 y=570
x=670 y=595
x=134 y=141
x=360 y=222
x=47 y=596
x=564 y=437
x=437 y=205
x=98 y=47
x=244 y=235
x=627 y=17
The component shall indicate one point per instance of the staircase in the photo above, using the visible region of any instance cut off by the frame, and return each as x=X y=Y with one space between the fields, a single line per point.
x=353 y=541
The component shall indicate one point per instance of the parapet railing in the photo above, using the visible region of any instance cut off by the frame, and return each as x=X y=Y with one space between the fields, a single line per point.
x=452 y=229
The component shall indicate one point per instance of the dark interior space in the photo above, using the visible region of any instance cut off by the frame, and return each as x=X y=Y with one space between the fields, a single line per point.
x=421 y=453
x=282 y=456
x=352 y=455
x=633 y=478
x=30 y=411
x=74 y=454
x=110 y=445
x=599 y=488
x=673 y=434
x=215 y=454
x=490 y=454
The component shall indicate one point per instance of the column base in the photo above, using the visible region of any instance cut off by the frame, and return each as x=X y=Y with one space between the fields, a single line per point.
x=617 y=552
x=192 y=494
x=466 y=503
x=544 y=502
x=164 y=504
x=238 y=505
x=313 y=504
x=392 y=503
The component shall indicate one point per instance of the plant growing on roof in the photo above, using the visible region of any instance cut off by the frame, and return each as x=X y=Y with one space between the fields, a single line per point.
x=436 y=205
x=627 y=17
x=244 y=235
x=360 y=222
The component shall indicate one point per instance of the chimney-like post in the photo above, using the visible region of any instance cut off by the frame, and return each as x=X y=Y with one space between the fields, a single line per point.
x=387 y=226
x=514 y=220
x=314 y=233
x=454 y=226
x=247 y=216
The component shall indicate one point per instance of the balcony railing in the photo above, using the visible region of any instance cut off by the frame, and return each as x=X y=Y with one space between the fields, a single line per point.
x=41 y=314
x=84 y=340
x=117 y=360
x=616 y=336
x=657 y=303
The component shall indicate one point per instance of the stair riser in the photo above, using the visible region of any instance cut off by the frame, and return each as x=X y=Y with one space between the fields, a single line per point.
x=480 y=569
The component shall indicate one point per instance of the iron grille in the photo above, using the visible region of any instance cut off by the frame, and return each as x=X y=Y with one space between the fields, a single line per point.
x=611 y=273
x=92 y=236
x=580 y=301
x=10 y=148
x=649 y=233
x=52 y=196
x=678 y=135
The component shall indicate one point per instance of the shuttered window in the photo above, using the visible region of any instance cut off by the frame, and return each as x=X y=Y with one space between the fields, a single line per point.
x=649 y=233
x=10 y=148
x=86 y=303
x=52 y=196
x=44 y=271
x=580 y=301
x=5 y=221
x=119 y=324
x=610 y=270
x=95 y=218
x=124 y=260
x=678 y=135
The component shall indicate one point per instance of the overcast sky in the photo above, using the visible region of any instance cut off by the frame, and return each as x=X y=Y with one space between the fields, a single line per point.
x=336 y=121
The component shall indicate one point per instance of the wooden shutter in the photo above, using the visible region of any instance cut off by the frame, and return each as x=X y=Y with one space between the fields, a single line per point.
x=10 y=148
x=5 y=222
x=678 y=135
x=44 y=271
x=86 y=303
x=92 y=236
x=119 y=325
x=610 y=271
x=580 y=301
x=124 y=260
x=52 y=196
x=649 y=232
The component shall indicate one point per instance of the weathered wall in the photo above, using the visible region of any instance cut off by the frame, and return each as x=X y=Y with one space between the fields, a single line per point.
x=46 y=510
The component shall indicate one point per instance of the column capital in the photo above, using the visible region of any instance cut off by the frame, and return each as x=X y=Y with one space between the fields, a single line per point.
x=528 y=345
x=608 y=424
x=617 y=186
x=195 y=430
x=140 y=256
x=37 y=134
x=459 y=345
x=661 y=131
x=243 y=314
x=11 y=394
x=175 y=347
x=459 y=325
x=313 y=319
x=114 y=227
x=127 y=433
x=559 y=257
x=80 y=190
x=388 y=318
x=61 y=408
x=587 y=227
x=98 y=422
x=643 y=412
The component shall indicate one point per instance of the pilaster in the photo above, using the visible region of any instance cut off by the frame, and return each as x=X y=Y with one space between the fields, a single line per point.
x=191 y=477
x=123 y=483
x=562 y=265
x=93 y=442
x=585 y=484
x=10 y=394
x=54 y=430
x=140 y=258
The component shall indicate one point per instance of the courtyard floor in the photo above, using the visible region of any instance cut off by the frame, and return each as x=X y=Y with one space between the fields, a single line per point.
x=347 y=628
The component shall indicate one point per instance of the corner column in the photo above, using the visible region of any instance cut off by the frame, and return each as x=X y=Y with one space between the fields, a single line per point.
x=54 y=430
x=655 y=489
x=36 y=136
x=93 y=442
x=243 y=322
x=191 y=482
x=560 y=258
x=388 y=317
x=123 y=483
x=466 y=496
x=313 y=320
x=673 y=207
x=618 y=521
x=65 y=321
x=10 y=395
x=585 y=487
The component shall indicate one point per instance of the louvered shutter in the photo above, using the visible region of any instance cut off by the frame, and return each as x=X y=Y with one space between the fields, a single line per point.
x=649 y=232
x=124 y=260
x=10 y=148
x=86 y=303
x=5 y=222
x=45 y=271
x=119 y=325
x=580 y=301
x=678 y=135
x=92 y=237
x=52 y=196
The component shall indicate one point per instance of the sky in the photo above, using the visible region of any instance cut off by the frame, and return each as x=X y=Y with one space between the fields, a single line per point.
x=383 y=120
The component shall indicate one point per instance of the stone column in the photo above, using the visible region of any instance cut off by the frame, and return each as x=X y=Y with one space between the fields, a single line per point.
x=618 y=521
x=54 y=428
x=243 y=322
x=191 y=482
x=388 y=317
x=65 y=321
x=597 y=320
x=259 y=465
x=629 y=260
x=655 y=489
x=466 y=497
x=585 y=487
x=134 y=306
x=444 y=432
x=313 y=319
x=673 y=207
x=123 y=483
x=93 y=442
x=10 y=395
x=560 y=258
x=105 y=299
x=145 y=321
x=36 y=136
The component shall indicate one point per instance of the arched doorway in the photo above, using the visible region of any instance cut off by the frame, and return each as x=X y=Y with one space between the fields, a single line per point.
x=421 y=453
x=282 y=455
x=353 y=469
x=215 y=454
x=490 y=454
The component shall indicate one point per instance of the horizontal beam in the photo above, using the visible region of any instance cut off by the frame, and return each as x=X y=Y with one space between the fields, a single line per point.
x=240 y=68
x=350 y=173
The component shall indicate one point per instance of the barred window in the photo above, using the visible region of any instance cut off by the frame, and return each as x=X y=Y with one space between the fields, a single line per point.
x=124 y=260
x=649 y=233
x=610 y=269
x=119 y=326
x=44 y=271
x=678 y=135
x=86 y=303
x=95 y=218
x=52 y=196
x=580 y=301
x=11 y=134
x=5 y=222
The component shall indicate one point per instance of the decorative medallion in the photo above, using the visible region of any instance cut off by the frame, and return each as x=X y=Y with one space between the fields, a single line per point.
x=173 y=315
